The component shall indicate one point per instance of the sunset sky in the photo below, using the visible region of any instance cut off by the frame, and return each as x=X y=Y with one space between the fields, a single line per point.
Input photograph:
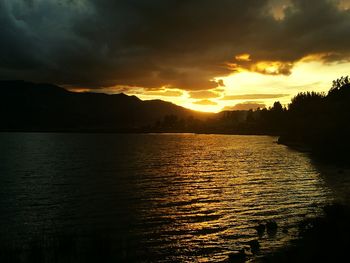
x=201 y=54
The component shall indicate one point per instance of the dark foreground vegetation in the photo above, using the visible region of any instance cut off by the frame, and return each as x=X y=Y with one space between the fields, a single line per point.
x=323 y=239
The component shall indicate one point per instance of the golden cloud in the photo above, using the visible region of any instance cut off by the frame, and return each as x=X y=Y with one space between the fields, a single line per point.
x=205 y=102
x=243 y=57
x=254 y=96
x=164 y=93
x=203 y=94
x=272 y=67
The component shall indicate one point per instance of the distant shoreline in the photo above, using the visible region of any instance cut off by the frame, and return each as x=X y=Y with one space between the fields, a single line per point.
x=132 y=132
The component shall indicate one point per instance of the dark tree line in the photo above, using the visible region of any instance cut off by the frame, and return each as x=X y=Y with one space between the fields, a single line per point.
x=321 y=122
x=260 y=121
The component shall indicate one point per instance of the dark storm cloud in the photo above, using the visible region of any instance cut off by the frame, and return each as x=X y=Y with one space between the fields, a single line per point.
x=181 y=44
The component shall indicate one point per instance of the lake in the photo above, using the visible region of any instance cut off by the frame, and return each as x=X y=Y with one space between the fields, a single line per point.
x=152 y=197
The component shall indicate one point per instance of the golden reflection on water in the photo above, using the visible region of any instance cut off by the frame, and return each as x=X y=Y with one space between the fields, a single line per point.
x=212 y=190
x=184 y=197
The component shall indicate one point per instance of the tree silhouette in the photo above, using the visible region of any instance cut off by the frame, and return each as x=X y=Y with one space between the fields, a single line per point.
x=339 y=84
x=321 y=122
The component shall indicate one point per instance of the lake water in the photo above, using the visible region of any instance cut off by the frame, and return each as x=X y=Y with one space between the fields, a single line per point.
x=155 y=197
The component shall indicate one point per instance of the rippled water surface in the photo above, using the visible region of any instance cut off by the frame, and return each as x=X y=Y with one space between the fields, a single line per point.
x=164 y=197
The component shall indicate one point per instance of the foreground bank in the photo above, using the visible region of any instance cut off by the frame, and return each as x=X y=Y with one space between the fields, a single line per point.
x=323 y=239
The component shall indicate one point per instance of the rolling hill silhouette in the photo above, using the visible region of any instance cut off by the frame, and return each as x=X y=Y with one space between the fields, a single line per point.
x=26 y=106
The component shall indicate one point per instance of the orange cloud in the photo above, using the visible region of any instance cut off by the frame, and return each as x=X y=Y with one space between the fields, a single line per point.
x=272 y=67
x=165 y=93
x=205 y=102
x=254 y=96
x=243 y=57
x=203 y=94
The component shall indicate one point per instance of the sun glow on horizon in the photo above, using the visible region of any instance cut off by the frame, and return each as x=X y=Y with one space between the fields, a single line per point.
x=306 y=75
x=245 y=88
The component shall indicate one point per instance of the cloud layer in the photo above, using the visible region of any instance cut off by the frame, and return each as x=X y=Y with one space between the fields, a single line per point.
x=254 y=96
x=153 y=44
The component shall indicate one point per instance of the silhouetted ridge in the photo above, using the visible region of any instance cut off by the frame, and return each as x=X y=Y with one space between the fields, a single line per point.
x=27 y=106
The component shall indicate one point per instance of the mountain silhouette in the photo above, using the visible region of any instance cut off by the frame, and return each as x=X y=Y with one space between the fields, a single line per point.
x=26 y=106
